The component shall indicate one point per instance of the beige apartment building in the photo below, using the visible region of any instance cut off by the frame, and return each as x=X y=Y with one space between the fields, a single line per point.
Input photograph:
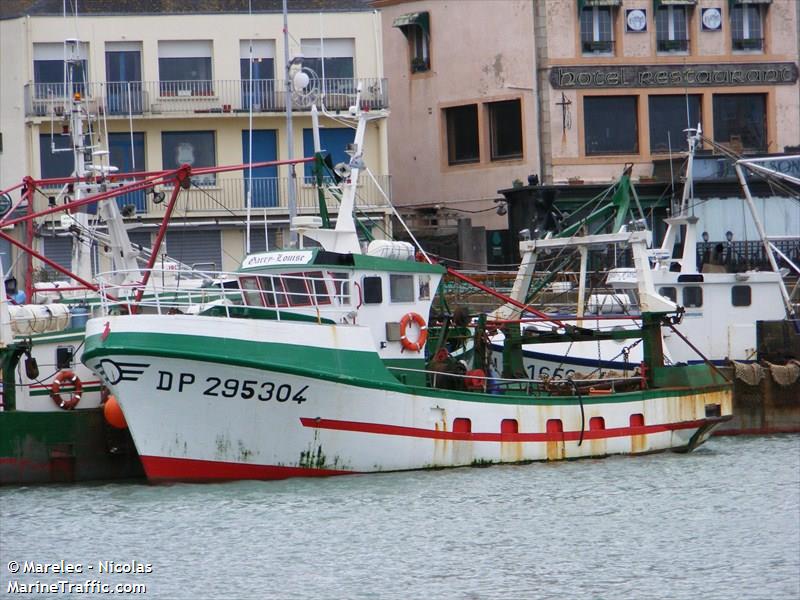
x=487 y=93
x=464 y=124
x=176 y=83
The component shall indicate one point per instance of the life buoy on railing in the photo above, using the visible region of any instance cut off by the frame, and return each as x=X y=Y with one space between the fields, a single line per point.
x=66 y=377
x=423 y=332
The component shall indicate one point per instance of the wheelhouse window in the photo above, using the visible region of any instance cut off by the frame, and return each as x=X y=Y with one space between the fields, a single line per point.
x=462 y=134
x=401 y=288
x=194 y=148
x=372 y=288
x=669 y=292
x=747 y=26
x=670 y=116
x=251 y=292
x=49 y=74
x=416 y=28
x=184 y=68
x=290 y=289
x=611 y=125
x=597 y=29
x=740 y=121
x=741 y=295
x=424 y=287
x=693 y=296
x=341 y=287
x=672 y=31
x=505 y=129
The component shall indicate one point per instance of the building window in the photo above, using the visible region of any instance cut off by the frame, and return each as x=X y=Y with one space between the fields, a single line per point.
x=55 y=156
x=741 y=295
x=463 y=144
x=672 y=34
x=746 y=27
x=505 y=129
x=611 y=125
x=332 y=61
x=597 y=30
x=194 y=148
x=670 y=116
x=184 y=68
x=334 y=141
x=257 y=73
x=48 y=69
x=416 y=28
x=740 y=121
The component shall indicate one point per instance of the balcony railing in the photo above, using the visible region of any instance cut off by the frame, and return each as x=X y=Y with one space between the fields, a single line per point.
x=673 y=45
x=224 y=195
x=748 y=44
x=598 y=47
x=202 y=97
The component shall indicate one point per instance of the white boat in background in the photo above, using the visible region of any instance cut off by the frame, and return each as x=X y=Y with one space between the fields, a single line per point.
x=317 y=366
x=721 y=307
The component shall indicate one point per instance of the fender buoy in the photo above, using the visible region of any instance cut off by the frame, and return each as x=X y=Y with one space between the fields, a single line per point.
x=423 y=332
x=113 y=413
x=66 y=377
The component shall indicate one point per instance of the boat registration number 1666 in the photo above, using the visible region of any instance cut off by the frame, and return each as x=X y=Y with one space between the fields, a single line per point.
x=245 y=389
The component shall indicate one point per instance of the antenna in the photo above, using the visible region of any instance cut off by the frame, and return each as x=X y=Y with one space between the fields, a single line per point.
x=249 y=199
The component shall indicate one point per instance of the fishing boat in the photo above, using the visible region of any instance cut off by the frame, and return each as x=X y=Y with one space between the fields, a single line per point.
x=57 y=422
x=320 y=363
x=722 y=306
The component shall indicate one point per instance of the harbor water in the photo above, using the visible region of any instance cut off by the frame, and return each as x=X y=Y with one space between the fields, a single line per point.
x=722 y=522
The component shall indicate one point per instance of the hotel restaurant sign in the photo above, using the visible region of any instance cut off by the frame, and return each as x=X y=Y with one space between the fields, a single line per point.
x=654 y=76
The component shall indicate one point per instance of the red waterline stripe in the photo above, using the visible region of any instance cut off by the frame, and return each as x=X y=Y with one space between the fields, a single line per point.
x=159 y=468
x=557 y=436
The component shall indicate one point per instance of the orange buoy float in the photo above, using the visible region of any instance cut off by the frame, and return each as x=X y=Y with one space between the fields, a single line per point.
x=423 y=332
x=66 y=377
x=113 y=414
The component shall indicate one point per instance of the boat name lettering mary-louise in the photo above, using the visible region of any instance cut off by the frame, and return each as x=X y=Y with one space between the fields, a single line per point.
x=277 y=258
x=563 y=78
x=231 y=387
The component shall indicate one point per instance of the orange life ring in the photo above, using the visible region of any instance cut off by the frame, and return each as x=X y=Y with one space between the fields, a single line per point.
x=423 y=332
x=66 y=377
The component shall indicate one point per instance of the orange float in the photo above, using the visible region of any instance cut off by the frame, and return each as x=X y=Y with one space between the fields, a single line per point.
x=113 y=413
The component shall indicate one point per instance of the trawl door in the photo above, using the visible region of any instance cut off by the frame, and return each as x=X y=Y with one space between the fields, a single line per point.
x=265 y=179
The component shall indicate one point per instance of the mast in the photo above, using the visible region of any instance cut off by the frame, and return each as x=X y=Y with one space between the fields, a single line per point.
x=82 y=246
x=289 y=130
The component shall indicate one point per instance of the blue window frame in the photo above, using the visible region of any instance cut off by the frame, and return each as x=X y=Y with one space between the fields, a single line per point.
x=334 y=140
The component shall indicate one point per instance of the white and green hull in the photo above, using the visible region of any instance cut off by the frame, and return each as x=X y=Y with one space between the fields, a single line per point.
x=218 y=398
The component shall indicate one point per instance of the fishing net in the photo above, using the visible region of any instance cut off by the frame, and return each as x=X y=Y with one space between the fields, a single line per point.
x=785 y=375
x=750 y=373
